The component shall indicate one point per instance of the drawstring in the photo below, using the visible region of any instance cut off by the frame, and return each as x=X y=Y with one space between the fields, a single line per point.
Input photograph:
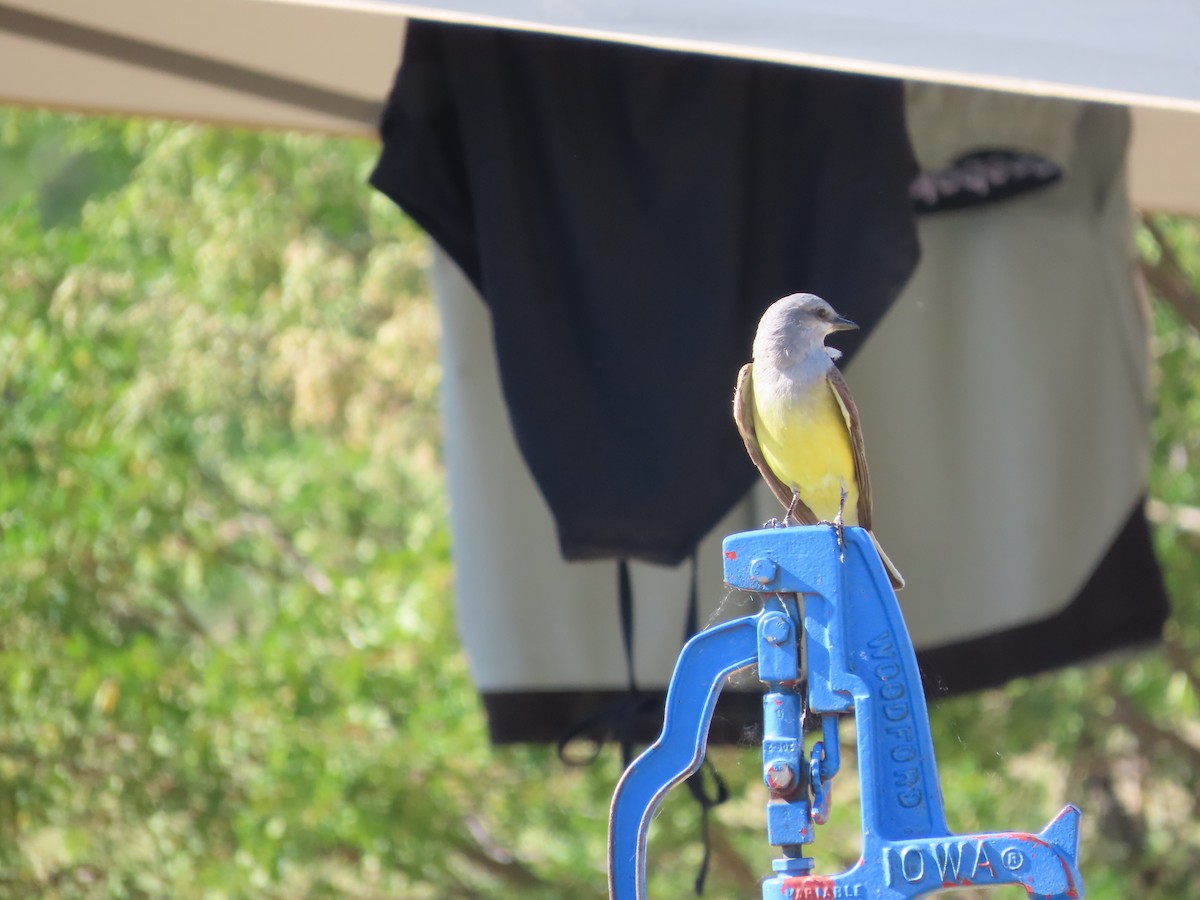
x=720 y=794
x=617 y=719
x=692 y=622
x=695 y=781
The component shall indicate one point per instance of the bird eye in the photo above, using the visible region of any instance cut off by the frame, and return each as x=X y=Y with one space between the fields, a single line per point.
x=822 y=312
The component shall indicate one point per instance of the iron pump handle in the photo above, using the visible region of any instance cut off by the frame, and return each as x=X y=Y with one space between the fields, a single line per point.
x=703 y=665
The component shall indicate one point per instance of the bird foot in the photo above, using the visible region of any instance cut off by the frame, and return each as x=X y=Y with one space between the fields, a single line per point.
x=839 y=524
x=791 y=510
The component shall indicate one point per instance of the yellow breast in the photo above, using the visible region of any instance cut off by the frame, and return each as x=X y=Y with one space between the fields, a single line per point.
x=806 y=442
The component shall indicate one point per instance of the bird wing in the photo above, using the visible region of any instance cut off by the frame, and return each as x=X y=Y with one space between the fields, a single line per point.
x=743 y=415
x=850 y=414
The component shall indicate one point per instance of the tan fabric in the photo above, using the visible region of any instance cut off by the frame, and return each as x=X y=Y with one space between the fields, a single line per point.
x=1003 y=398
x=985 y=120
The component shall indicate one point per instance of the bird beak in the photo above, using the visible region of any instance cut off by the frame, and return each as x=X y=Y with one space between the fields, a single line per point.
x=841 y=323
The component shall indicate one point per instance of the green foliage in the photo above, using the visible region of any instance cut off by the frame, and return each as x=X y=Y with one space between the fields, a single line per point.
x=226 y=643
x=226 y=638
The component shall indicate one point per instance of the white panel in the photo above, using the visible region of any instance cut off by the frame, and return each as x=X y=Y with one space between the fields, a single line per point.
x=1130 y=52
x=353 y=46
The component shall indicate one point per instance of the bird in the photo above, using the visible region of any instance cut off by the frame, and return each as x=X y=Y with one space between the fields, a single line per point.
x=799 y=422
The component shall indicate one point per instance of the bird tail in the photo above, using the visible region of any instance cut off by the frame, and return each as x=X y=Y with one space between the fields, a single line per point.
x=893 y=573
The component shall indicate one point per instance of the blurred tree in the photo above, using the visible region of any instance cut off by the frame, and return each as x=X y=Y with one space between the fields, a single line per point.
x=226 y=646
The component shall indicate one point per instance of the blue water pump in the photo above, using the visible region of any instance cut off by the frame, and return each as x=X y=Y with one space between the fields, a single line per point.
x=830 y=597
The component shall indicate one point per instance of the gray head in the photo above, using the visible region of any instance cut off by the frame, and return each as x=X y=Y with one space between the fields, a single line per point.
x=797 y=326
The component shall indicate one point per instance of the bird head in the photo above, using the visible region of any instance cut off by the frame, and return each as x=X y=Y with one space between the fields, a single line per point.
x=796 y=325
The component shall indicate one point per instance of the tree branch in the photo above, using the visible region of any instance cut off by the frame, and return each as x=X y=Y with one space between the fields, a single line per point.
x=1143 y=728
x=1168 y=277
x=484 y=852
x=187 y=615
x=258 y=522
x=1183 y=660
x=727 y=860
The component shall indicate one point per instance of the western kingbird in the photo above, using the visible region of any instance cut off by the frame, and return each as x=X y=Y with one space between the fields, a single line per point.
x=799 y=422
